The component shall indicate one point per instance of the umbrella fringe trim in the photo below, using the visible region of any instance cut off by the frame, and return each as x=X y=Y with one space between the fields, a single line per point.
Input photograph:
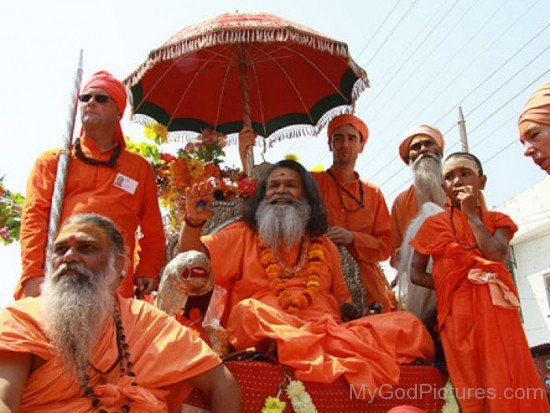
x=269 y=35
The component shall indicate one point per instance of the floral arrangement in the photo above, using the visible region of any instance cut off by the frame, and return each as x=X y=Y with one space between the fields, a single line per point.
x=11 y=206
x=198 y=161
x=312 y=257
x=299 y=399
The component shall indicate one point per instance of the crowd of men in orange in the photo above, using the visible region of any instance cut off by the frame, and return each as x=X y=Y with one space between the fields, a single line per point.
x=75 y=340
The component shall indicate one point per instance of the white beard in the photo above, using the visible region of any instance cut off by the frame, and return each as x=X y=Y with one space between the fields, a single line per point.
x=75 y=309
x=427 y=180
x=282 y=224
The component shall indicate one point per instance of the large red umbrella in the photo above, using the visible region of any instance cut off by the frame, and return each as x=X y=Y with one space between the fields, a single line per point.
x=256 y=69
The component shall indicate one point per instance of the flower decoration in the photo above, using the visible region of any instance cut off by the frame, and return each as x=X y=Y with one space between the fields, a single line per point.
x=200 y=160
x=292 y=157
x=273 y=405
x=156 y=132
x=317 y=168
x=312 y=257
x=300 y=398
x=11 y=207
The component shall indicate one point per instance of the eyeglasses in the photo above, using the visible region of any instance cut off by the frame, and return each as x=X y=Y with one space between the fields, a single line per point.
x=98 y=98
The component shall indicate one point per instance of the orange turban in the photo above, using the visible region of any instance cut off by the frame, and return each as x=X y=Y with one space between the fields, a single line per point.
x=116 y=90
x=537 y=108
x=346 y=119
x=427 y=130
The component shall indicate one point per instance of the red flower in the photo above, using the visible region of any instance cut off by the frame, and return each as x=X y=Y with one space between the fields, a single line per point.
x=247 y=187
x=166 y=157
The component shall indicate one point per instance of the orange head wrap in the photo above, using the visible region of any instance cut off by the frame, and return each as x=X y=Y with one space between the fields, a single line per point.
x=427 y=130
x=537 y=108
x=116 y=90
x=346 y=119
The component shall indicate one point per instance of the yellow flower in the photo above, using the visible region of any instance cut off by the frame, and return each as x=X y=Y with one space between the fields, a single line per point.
x=292 y=157
x=317 y=168
x=273 y=405
x=156 y=132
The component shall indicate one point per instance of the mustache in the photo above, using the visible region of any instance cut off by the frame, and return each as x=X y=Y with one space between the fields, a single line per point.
x=284 y=197
x=424 y=156
x=80 y=269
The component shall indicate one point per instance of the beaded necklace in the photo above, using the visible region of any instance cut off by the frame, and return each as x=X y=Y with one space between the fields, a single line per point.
x=94 y=162
x=340 y=188
x=274 y=266
x=123 y=361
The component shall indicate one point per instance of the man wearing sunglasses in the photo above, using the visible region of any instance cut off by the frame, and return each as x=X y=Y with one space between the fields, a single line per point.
x=104 y=178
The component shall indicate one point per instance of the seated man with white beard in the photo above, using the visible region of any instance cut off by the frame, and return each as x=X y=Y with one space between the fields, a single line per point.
x=286 y=286
x=80 y=347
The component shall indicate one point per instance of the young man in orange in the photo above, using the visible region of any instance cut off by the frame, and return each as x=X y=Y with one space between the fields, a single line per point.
x=286 y=287
x=534 y=127
x=356 y=209
x=486 y=351
x=102 y=177
x=80 y=347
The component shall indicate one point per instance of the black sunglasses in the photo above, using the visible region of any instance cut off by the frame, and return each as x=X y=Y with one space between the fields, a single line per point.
x=98 y=98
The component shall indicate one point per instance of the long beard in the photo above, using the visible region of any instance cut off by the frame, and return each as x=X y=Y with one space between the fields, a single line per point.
x=427 y=179
x=282 y=224
x=75 y=309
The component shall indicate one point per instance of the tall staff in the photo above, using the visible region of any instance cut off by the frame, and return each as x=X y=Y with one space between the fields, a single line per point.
x=63 y=164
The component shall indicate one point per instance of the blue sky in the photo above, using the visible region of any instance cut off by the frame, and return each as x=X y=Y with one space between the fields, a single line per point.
x=423 y=58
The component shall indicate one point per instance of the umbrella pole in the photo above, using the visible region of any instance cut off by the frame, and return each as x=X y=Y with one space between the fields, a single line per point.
x=63 y=163
x=243 y=75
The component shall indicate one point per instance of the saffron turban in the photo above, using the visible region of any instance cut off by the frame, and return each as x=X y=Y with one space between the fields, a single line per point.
x=116 y=90
x=351 y=120
x=104 y=80
x=424 y=129
x=537 y=108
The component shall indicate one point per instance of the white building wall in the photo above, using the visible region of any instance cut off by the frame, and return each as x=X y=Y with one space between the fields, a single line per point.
x=531 y=256
x=532 y=262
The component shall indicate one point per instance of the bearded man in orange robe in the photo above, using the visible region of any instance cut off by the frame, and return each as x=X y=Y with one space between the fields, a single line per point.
x=80 y=347
x=421 y=148
x=485 y=347
x=286 y=286
x=103 y=178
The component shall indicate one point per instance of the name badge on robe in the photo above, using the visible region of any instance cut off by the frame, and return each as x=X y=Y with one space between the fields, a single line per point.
x=125 y=183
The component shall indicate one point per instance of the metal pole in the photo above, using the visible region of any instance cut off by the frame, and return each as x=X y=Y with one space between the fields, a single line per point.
x=63 y=164
x=462 y=130
x=243 y=72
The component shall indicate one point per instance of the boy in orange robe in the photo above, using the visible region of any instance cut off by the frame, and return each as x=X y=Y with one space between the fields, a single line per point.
x=485 y=347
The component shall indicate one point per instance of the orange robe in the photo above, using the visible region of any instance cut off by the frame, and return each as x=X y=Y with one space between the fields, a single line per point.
x=316 y=343
x=91 y=189
x=485 y=346
x=403 y=211
x=370 y=226
x=164 y=353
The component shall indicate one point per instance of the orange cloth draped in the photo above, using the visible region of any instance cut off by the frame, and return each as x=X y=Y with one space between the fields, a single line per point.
x=403 y=211
x=91 y=189
x=370 y=226
x=485 y=345
x=164 y=353
x=320 y=348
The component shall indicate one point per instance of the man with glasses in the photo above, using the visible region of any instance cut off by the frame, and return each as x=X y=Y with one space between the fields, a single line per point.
x=104 y=178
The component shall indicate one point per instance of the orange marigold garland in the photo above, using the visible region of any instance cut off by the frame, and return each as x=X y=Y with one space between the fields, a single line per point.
x=276 y=270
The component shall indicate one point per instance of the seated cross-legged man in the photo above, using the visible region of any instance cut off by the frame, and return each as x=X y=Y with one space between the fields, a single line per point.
x=286 y=286
x=80 y=347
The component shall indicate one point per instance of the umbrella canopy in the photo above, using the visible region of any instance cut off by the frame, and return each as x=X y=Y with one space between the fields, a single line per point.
x=256 y=69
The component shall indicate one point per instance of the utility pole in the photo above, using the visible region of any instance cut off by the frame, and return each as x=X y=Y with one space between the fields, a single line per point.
x=462 y=131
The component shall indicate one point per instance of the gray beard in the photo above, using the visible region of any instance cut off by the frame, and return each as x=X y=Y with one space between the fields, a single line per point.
x=427 y=180
x=282 y=224
x=75 y=309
